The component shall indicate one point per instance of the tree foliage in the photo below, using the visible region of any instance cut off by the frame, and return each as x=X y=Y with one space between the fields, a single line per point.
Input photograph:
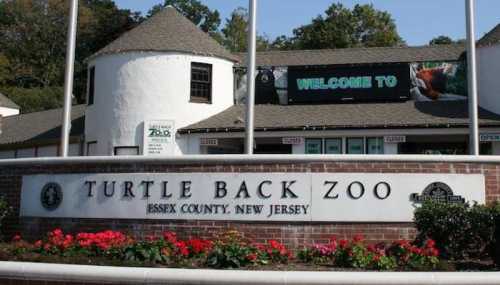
x=362 y=26
x=441 y=40
x=235 y=33
x=37 y=98
x=445 y=40
x=202 y=16
x=33 y=46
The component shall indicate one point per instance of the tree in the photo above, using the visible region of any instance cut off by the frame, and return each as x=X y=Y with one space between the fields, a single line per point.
x=235 y=33
x=445 y=40
x=283 y=43
x=33 y=46
x=362 y=26
x=441 y=40
x=202 y=16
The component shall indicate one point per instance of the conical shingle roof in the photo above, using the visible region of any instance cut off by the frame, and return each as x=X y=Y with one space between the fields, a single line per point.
x=491 y=38
x=168 y=30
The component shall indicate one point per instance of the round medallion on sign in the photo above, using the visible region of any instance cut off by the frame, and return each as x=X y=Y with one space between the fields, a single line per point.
x=51 y=196
x=438 y=190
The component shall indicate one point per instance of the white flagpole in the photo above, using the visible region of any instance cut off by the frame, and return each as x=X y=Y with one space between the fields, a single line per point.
x=252 y=43
x=472 y=77
x=68 y=77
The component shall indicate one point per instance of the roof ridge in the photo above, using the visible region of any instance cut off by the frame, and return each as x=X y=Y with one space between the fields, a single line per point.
x=485 y=40
x=358 y=48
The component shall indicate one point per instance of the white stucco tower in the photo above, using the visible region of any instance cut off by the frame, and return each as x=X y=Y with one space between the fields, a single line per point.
x=166 y=69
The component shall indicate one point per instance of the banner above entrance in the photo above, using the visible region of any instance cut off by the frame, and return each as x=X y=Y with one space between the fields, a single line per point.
x=318 y=197
x=348 y=83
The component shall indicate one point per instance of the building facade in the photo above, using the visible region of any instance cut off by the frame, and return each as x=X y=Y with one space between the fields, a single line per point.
x=167 y=88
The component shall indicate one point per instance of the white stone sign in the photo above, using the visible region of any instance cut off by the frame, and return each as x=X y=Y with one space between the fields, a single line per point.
x=319 y=197
x=159 y=137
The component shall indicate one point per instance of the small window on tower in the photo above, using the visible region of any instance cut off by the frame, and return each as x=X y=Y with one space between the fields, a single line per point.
x=201 y=83
x=91 y=86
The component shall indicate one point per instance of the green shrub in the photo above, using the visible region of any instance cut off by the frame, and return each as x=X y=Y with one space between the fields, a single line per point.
x=460 y=230
x=231 y=250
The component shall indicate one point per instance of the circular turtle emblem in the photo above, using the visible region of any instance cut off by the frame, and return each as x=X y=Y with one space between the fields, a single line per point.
x=438 y=190
x=51 y=196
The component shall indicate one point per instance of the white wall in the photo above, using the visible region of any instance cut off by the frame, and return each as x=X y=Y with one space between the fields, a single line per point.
x=489 y=78
x=5 y=112
x=390 y=148
x=133 y=87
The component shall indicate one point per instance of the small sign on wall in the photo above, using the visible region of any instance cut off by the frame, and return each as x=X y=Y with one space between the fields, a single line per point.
x=209 y=142
x=489 y=137
x=159 y=137
x=395 y=139
x=293 y=140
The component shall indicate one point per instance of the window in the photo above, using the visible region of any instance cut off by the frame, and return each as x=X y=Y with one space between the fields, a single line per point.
x=375 y=145
x=314 y=146
x=126 y=150
x=355 y=146
x=91 y=86
x=201 y=82
x=333 y=146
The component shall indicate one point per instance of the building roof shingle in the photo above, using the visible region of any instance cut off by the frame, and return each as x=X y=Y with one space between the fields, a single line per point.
x=358 y=55
x=167 y=31
x=7 y=103
x=444 y=114
x=491 y=38
x=40 y=126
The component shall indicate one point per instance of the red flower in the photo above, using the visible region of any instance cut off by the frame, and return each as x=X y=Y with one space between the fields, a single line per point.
x=182 y=248
x=343 y=243
x=430 y=243
x=38 y=243
x=198 y=246
x=170 y=237
x=252 y=256
x=358 y=238
x=16 y=238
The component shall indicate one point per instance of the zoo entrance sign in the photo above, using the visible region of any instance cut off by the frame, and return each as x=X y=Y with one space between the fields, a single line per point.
x=319 y=197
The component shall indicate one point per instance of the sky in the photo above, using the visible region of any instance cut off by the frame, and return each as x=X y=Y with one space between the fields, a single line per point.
x=417 y=21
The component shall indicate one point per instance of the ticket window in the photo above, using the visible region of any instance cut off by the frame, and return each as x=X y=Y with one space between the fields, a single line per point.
x=314 y=146
x=375 y=145
x=333 y=146
x=355 y=146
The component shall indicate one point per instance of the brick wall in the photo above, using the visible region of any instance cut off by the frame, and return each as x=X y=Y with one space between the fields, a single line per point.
x=292 y=234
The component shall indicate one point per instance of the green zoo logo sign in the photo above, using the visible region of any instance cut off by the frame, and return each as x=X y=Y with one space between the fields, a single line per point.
x=160 y=132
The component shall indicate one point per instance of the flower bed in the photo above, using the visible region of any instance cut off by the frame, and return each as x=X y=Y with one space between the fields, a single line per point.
x=228 y=250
